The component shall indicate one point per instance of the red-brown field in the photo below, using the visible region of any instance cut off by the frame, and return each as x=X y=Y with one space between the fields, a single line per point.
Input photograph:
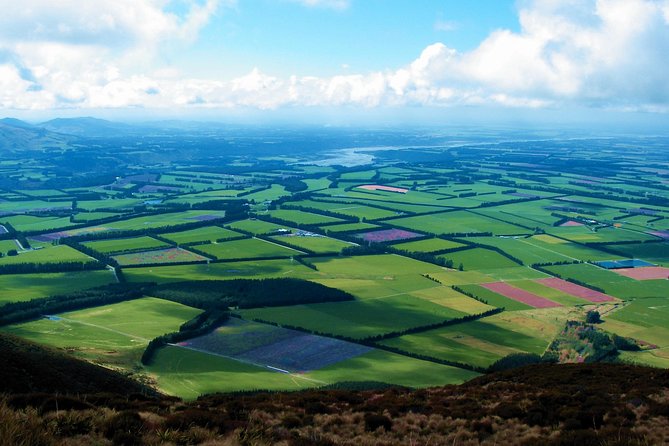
x=519 y=295
x=571 y=223
x=576 y=290
x=386 y=188
x=646 y=273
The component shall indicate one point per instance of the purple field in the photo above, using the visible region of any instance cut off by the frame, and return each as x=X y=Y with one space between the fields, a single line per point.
x=387 y=235
x=270 y=346
x=167 y=255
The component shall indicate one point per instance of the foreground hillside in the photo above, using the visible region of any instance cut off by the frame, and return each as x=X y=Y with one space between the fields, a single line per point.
x=579 y=404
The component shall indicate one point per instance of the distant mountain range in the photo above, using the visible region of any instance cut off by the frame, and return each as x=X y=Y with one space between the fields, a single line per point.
x=16 y=135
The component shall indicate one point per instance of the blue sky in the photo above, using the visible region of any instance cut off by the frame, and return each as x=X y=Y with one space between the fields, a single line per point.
x=335 y=58
x=285 y=38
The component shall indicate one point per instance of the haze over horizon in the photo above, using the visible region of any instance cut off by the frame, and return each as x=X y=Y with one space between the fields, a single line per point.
x=337 y=61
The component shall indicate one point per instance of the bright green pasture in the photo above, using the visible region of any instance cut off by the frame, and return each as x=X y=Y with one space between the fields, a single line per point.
x=448 y=297
x=428 y=245
x=319 y=245
x=31 y=223
x=350 y=209
x=256 y=227
x=112 y=246
x=112 y=334
x=163 y=220
x=457 y=222
x=560 y=247
x=49 y=254
x=479 y=259
x=358 y=319
x=375 y=266
x=246 y=249
x=33 y=205
x=275 y=192
x=303 y=218
x=521 y=249
x=642 y=319
x=259 y=269
x=8 y=245
x=376 y=287
x=24 y=287
x=205 y=234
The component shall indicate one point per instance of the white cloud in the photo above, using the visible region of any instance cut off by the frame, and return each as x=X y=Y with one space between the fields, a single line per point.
x=599 y=53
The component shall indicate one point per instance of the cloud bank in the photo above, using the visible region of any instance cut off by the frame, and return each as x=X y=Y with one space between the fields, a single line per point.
x=595 y=53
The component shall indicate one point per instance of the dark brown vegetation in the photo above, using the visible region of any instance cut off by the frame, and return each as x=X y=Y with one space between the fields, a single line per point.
x=576 y=404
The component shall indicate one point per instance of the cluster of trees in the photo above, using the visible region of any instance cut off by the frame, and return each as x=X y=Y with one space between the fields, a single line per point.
x=249 y=293
x=200 y=325
x=56 y=267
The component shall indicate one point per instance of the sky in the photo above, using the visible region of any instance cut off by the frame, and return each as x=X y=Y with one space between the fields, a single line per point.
x=335 y=58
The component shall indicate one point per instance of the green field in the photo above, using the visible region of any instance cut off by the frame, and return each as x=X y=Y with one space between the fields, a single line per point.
x=303 y=218
x=429 y=245
x=349 y=209
x=24 y=287
x=48 y=254
x=32 y=223
x=358 y=319
x=477 y=343
x=256 y=227
x=245 y=249
x=218 y=271
x=113 y=246
x=114 y=335
x=457 y=222
x=318 y=245
x=206 y=234
x=478 y=259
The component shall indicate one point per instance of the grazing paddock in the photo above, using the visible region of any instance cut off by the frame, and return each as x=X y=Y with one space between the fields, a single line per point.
x=48 y=254
x=114 y=246
x=249 y=269
x=206 y=234
x=246 y=249
x=25 y=287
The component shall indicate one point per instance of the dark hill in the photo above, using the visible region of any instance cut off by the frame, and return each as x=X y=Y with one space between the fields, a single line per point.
x=28 y=367
x=88 y=127
x=17 y=135
x=584 y=404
